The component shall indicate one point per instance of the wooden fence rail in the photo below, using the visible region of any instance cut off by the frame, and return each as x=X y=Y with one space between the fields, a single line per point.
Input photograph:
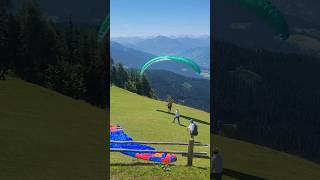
x=190 y=154
x=154 y=151
x=156 y=142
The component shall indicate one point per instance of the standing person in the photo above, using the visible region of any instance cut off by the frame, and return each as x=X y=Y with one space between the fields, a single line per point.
x=216 y=165
x=192 y=128
x=169 y=106
x=177 y=116
x=170 y=103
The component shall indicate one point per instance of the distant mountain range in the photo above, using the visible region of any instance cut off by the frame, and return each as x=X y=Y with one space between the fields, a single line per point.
x=163 y=45
x=196 y=48
x=132 y=58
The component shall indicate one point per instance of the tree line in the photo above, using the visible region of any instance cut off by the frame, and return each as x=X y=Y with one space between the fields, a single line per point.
x=131 y=80
x=62 y=57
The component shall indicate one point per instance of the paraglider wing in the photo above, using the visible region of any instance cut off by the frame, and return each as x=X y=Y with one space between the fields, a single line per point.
x=118 y=134
x=186 y=61
x=104 y=28
x=267 y=11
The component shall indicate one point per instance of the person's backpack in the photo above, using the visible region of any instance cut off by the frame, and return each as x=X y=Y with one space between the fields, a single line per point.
x=195 y=130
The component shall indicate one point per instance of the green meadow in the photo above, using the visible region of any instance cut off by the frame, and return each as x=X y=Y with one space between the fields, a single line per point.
x=45 y=135
x=147 y=119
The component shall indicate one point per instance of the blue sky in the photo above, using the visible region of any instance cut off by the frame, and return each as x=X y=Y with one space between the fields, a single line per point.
x=159 y=17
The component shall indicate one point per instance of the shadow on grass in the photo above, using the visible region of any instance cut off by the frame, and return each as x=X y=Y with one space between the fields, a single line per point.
x=182 y=125
x=240 y=175
x=186 y=117
x=202 y=168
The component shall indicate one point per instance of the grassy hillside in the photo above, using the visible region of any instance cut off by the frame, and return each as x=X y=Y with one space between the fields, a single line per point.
x=141 y=120
x=146 y=119
x=44 y=135
x=248 y=161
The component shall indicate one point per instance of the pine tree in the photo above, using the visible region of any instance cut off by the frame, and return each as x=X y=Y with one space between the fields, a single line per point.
x=33 y=30
x=145 y=87
x=121 y=77
x=4 y=33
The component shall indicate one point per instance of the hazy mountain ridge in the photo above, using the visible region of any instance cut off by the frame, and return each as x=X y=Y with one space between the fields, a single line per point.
x=195 y=48
x=133 y=58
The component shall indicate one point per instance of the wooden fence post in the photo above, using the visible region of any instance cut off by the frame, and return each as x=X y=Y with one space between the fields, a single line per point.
x=190 y=151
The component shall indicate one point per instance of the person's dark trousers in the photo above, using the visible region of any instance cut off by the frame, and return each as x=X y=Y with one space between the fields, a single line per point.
x=216 y=176
x=177 y=117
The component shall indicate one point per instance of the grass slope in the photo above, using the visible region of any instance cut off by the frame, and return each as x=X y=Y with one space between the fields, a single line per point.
x=243 y=160
x=146 y=119
x=45 y=135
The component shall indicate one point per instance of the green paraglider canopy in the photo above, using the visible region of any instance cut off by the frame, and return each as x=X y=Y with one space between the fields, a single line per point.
x=268 y=12
x=186 y=61
x=104 y=28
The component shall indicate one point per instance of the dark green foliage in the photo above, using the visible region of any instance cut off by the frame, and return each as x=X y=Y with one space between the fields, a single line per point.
x=131 y=81
x=4 y=35
x=145 y=88
x=121 y=76
x=66 y=59
x=66 y=78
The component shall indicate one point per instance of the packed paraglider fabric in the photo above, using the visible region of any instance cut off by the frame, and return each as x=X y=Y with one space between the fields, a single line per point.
x=118 y=134
x=183 y=60
x=268 y=12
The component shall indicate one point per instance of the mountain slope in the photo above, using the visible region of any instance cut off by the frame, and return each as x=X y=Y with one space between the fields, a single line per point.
x=45 y=135
x=200 y=55
x=188 y=91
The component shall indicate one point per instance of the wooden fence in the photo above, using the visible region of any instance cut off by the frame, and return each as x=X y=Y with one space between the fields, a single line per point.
x=190 y=154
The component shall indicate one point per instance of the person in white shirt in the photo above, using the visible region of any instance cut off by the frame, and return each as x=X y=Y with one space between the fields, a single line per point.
x=191 y=128
x=216 y=165
x=177 y=116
